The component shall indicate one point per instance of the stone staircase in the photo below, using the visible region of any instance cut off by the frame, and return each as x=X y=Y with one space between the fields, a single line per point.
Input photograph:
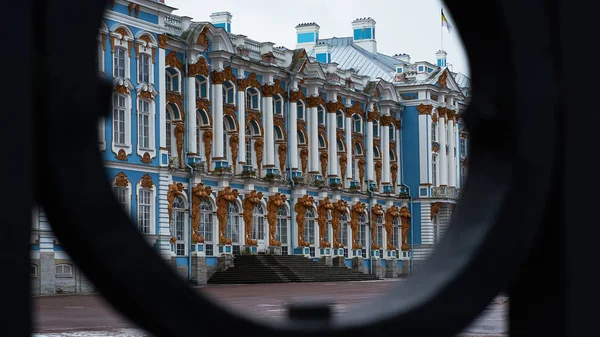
x=251 y=269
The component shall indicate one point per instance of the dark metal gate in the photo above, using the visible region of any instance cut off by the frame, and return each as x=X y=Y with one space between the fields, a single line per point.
x=521 y=226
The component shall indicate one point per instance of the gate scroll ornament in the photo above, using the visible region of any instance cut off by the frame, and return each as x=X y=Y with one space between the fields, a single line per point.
x=248 y=204
x=274 y=203
x=483 y=223
x=200 y=193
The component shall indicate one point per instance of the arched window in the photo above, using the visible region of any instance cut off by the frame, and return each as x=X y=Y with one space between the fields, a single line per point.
x=433 y=132
x=379 y=231
x=205 y=228
x=281 y=232
x=309 y=226
x=327 y=228
x=356 y=124
x=376 y=153
x=321 y=115
x=321 y=142
x=358 y=149
x=434 y=166
x=300 y=110
x=362 y=232
x=178 y=229
x=169 y=128
x=123 y=196
x=119 y=62
x=228 y=93
x=201 y=87
x=301 y=138
x=340 y=145
x=249 y=152
x=228 y=127
x=375 y=129
x=343 y=239
x=396 y=231
x=277 y=105
x=64 y=270
x=172 y=80
x=233 y=225
x=340 y=118
x=252 y=99
x=392 y=133
x=278 y=133
x=392 y=156
x=144 y=68
x=258 y=222
x=201 y=121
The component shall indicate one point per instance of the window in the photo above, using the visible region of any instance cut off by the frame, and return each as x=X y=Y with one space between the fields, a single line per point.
x=396 y=231
x=277 y=105
x=278 y=133
x=356 y=124
x=258 y=223
x=322 y=142
x=357 y=149
x=122 y=196
x=144 y=210
x=248 y=146
x=362 y=230
x=340 y=117
x=205 y=228
x=301 y=138
x=252 y=99
x=344 y=230
x=340 y=145
x=144 y=124
x=309 y=228
x=64 y=270
x=379 y=231
x=172 y=79
x=169 y=129
x=321 y=115
x=463 y=147
x=434 y=170
x=179 y=228
x=198 y=133
x=327 y=227
x=144 y=68
x=33 y=270
x=119 y=62
x=201 y=87
x=392 y=129
x=300 y=110
x=228 y=93
x=282 y=226
x=119 y=132
x=376 y=153
x=375 y=129
x=433 y=132
x=232 y=230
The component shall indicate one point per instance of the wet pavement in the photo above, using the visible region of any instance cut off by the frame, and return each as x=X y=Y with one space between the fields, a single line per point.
x=90 y=315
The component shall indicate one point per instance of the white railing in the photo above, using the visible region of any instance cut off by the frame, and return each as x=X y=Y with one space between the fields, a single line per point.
x=174 y=24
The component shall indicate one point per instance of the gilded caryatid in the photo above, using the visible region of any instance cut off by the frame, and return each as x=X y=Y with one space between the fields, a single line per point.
x=355 y=213
x=250 y=201
x=405 y=217
x=376 y=211
x=339 y=208
x=323 y=209
x=274 y=204
x=200 y=193
x=390 y=214
x=300 y=208
x=224 y=198
x=174 y=190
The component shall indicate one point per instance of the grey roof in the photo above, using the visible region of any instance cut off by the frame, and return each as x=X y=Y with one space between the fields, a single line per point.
x=462 y=80
x=350 y=56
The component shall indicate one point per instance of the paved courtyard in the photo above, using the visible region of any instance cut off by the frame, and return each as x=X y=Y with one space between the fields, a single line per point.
x=89 y=315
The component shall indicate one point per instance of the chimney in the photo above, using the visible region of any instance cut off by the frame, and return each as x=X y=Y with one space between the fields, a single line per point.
x=323 y=52
x=402 y=57
x=364 y=34
x=222 y=19
x=307 y=35
x=441 y=58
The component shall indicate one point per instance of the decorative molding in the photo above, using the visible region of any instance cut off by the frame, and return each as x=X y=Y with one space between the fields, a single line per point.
x=229 y=110
x=234 y=142
x=394 y=173
x=304 y=158
x=198 y=68
x=121 y=180
x=171 y=60
x=339 y=208
x=103 y=41
x=218 y=77
x=314 y=101
x=174 y=190
x=435 y=208
x=224 y=198
x=258 y=148
x=250 y=82
x=146 y=181
x=373 y=115
x=376 y=212
x=179 y=132
x=424 y=109
x=451 y=114
x=199 y=193
x=387 y=120
x=442 y=79
x=378 y=166
x=202 y=37
x=162 y=40
x=355 y=109
x=302 y=205
x=390 y=214
x=269 y=90
x=361 y=169
x=324 y=157
x=442 y=112
x=405 y=218
x=297 y=95
x=274 y=203
x=355 y=212
x=336 y=106
x=343 y=164
x=207 y=140
x=204 y=104
x=146 y=159
x=121 y=155
x=249 y=202
x=282 y=151
x=323 y=209
x=177 y=99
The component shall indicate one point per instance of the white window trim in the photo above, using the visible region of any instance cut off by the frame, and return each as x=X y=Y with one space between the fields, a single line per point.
x=337 y=116
x=199 y=84
x=179 y=79
x=392 y=129
x=122 y=42
x=64 y=275
x=127 y=147
x=353 y=123
x=138 y=62
x=278 y=98
x=258 y=99
x=186 y=221
x=101 y=52
x=102 y=133
x=138 y=187
x=129 y=197
x=225 y=89
x=151 y=129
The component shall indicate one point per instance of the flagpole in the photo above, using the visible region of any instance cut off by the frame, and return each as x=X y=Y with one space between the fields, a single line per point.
x=442 y=31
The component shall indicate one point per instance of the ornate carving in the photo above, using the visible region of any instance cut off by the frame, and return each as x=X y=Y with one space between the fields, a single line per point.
x=224 y=198
x=376 y=212
x=250 y=82
x=435 y=147
x=324 y=156
x=442 y=79
x=335 y=106
x=121 y=180
x=146 y=95
x=268 y=90
x=378 y=167
x=442 y=112
x=278 y=121
x=343 y=164
x=199 y=194
x=130 y=8
x=361 y=169
x=435 y=208
x=146 y=181
x=304 y=159
x=314 y=101
x=198 y=68
x=451 y=114
x=173 y=61
x=179 y=131
x=339 y=208
x=282 y=151
x=175 y=190
x=434 y=118
x=376 y=93
x=162 y=41
x=355 y=212
x=121 y=89
x=405 y=217
x=390 y=215
x=274 y=203
x=258 y=148
x=204 y=104
x=387 y=120
x=297 y=95
x=207 y=140
x=394 y=173
x=234 y=142
x=248 y=204
x=121 y=155
x=323 y=209
x=300 y=208
x=146 y=158
x=175 y=98
x=398 y=124
x=218 y=77
x=373 y=115
x=229 y=110
x=103 y=41
x=434 y=97
x=424 y=109
x=202 y=38
x=136 y=10
x=354 y=109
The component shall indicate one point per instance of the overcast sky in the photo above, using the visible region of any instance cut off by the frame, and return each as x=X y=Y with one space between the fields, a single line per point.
x=403 y=26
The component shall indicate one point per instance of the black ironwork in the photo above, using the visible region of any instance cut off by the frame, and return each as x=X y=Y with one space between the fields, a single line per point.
x=511 y=206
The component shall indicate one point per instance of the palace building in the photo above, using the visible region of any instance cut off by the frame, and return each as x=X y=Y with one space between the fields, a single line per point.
x=219 y=145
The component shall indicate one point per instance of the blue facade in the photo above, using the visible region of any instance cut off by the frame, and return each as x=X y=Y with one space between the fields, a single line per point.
x=307 y=37
x=364 y=34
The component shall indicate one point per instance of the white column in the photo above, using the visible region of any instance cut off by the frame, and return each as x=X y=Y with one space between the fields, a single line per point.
x=269 y=139
x=162 y=94
x=443 y=167
x=349 y=148
x=399 y=153
x=217 y=109
x=385 y=148
x=370 y=163
x=241 y=99
x=293 y=134
x=313 y=141
x=191 y=115
x=332 y=162
x=451 y=159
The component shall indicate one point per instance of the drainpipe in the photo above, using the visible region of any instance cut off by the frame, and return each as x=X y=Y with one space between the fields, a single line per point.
x=369 y=231
x=289 y=160
x=410 y=202
x=191 y=175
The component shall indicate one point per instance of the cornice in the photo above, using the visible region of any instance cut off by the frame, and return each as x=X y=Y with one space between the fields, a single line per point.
x=132 y=21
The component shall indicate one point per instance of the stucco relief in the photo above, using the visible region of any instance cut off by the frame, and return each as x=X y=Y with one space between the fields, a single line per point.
x=258 y=148
x=248 y=204
x=390 y=214
x=324 y=157
x=304 y=159
x=435 y=208
x=200 y=193
x=355 y=213
x=233 y=143
x=343 y=164
x=323 y=209
x=405 y=217
x=300 y=208
x=121 y=155
x=282 y=151
x=146 y=181
x=376 y=213
x=224 y=198
x=394 y=173
x=207 y=140
x=339 y=208
x=274 y=203
x=424 y=109
x=174 y=190
x=378 y=167
x=179 y=132
x=198 y=68
x=121 y=180
x=361 y=169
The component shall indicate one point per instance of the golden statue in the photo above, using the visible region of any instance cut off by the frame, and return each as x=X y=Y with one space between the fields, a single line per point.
x=274 y=203
x=224 y=198
x=394 y=172
x=339 y=208
x=324 y=157
x=199 y=194
x=361 y=170
x=207 y=139
x=233 y=143
x=355 y=213
x=282 y=151
x=391 y=214
x=304 y=159
x=378 y=166
x=175 y=190
x=323 y=210
x=405 y=217
x=300 y=208
x=376 y=211
x=258 y=147
x=343 y=164
x=248 y=204
x=179 y=131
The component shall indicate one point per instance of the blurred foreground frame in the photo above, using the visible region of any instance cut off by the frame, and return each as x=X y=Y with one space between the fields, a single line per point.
x=517 y=229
